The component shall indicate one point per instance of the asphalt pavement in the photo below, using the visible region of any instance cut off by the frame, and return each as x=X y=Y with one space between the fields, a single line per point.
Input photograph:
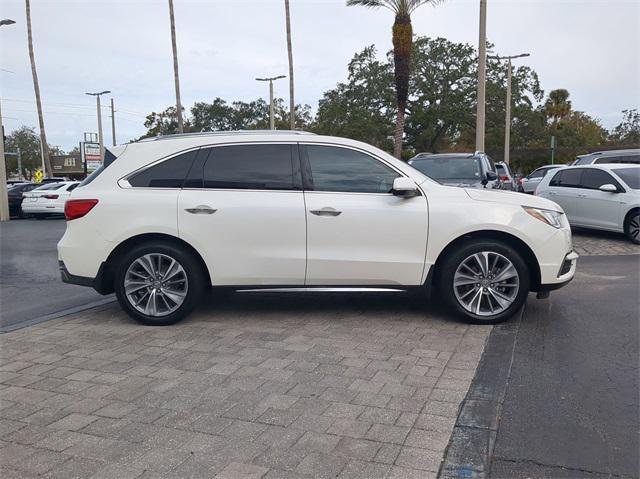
x=30 y=285
x=572 y=405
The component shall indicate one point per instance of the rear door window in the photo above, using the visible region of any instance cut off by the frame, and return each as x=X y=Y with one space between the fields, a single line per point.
x=249 y=167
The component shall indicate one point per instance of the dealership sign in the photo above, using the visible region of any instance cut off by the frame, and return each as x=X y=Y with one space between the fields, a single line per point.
x=91 y=155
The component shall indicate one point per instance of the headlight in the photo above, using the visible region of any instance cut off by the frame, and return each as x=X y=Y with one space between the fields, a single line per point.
x=550 y=217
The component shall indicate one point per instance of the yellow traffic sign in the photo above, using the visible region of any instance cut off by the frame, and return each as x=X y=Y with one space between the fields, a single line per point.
x=38 y=176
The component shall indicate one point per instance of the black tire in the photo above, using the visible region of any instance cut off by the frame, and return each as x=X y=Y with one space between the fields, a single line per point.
x=631 y=223
x=195 y=281
x=450 y=264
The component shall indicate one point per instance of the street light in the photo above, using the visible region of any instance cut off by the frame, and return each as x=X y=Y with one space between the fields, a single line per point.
x=272 y=124
x=4 y=200
x=507 y=128
x=100 y=138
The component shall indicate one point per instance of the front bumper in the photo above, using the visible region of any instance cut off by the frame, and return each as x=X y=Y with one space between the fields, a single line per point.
x=565 y=274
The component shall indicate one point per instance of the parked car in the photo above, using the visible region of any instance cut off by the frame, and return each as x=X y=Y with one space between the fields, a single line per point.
x=506 y=176
x=529 y=183
x=48 y=199
x=14 y=194
x=608 y=157
x=165 y=218
x=604 y=197
x=475 y=170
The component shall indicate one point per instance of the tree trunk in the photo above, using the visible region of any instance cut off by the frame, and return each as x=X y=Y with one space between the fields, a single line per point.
x=43 y=137
x=399 y=131
x=402 y=41
x=292 y=103
x=176 y=77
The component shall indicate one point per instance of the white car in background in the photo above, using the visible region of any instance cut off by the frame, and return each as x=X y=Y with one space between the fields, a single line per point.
x=165 y=218
x=47 y=199
x=604 y=197
x=529 y=183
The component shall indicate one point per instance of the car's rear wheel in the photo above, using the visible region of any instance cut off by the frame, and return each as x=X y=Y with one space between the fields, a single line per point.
x=632 y=226
x=158 y=283
x=485 y=282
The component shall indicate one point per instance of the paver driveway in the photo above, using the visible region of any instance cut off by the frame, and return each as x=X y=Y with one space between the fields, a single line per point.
x=250 y=386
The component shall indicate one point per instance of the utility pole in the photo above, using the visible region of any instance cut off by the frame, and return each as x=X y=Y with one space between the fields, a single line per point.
x=4 y=199
x=272 y=125
x=44 y=147
x=100 y=135
x=292 y=102
x=482 y=76
x=176 y=77
x=507 y=126
x=113 y=124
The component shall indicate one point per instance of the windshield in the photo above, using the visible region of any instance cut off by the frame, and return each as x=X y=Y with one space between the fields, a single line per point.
x=449 y=168
x=631 y=176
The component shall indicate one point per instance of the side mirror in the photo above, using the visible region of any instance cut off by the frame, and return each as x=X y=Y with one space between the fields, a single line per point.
x=404 y=187
x=489 y=176
x=609 y=188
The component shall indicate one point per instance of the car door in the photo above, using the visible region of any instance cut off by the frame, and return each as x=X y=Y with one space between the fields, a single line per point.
x=358 y=232
x=563 y=189
x=242 y=207
x=595 y=208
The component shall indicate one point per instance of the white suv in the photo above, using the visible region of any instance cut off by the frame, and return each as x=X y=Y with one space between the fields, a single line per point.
x=167 y=217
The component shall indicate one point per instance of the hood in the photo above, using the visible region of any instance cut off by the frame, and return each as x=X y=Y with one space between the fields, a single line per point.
x=511 y=198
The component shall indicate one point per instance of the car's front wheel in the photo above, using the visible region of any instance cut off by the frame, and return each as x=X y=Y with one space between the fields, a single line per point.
x=484 y=281
x=158 y=283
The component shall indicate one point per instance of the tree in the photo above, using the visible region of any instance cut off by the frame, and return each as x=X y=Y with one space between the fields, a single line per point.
x=28 y=141
x=402 y=46
x=557 y=105
x=163 y=123
x=362 y=108
x=176 y=78
x=628 y=131
x=292 y=102
x=36 y=87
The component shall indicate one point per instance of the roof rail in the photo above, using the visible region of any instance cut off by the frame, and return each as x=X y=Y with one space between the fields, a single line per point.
x=227 y=133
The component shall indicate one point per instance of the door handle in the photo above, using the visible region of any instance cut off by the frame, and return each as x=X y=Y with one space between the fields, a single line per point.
x=582 y=196
x=551 y=193
x=327 y=211
x=201 y=210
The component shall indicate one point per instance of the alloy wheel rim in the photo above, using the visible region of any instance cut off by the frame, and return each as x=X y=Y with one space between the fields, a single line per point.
x=156 y=284
x=634 y=227
x=486 y=283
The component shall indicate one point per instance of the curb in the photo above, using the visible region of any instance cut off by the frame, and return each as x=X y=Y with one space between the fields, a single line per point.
x=59 y=314
x=470 y=448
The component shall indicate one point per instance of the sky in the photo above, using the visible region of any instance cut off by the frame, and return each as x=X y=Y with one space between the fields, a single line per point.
x=591 y=48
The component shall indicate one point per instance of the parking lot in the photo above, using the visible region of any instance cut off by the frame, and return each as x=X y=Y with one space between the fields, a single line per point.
x=253 y=385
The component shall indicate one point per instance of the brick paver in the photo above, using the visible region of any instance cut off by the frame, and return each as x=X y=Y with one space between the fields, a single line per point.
x=254 y=387
x=602 y=243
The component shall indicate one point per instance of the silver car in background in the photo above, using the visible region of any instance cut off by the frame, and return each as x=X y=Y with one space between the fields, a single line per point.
x=603 y=197
x=529 y=183
x=608 y=157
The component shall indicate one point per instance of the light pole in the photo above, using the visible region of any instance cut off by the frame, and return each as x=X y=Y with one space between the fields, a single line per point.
x=292 y=102
x=100 y=137
x=507 y=127
x=272 y=124
x=4 y=200
x=482 y=74
x=113 y=124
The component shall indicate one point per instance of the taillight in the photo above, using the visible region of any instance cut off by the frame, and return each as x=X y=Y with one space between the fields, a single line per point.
x=74 y=209
x=504 y=178
x=51 y=197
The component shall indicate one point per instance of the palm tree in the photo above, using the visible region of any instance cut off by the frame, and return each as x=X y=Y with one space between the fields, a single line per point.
x=558 y=105
x=292 y=103
x=176 y=77
x=402 y=43
x=43 y=137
